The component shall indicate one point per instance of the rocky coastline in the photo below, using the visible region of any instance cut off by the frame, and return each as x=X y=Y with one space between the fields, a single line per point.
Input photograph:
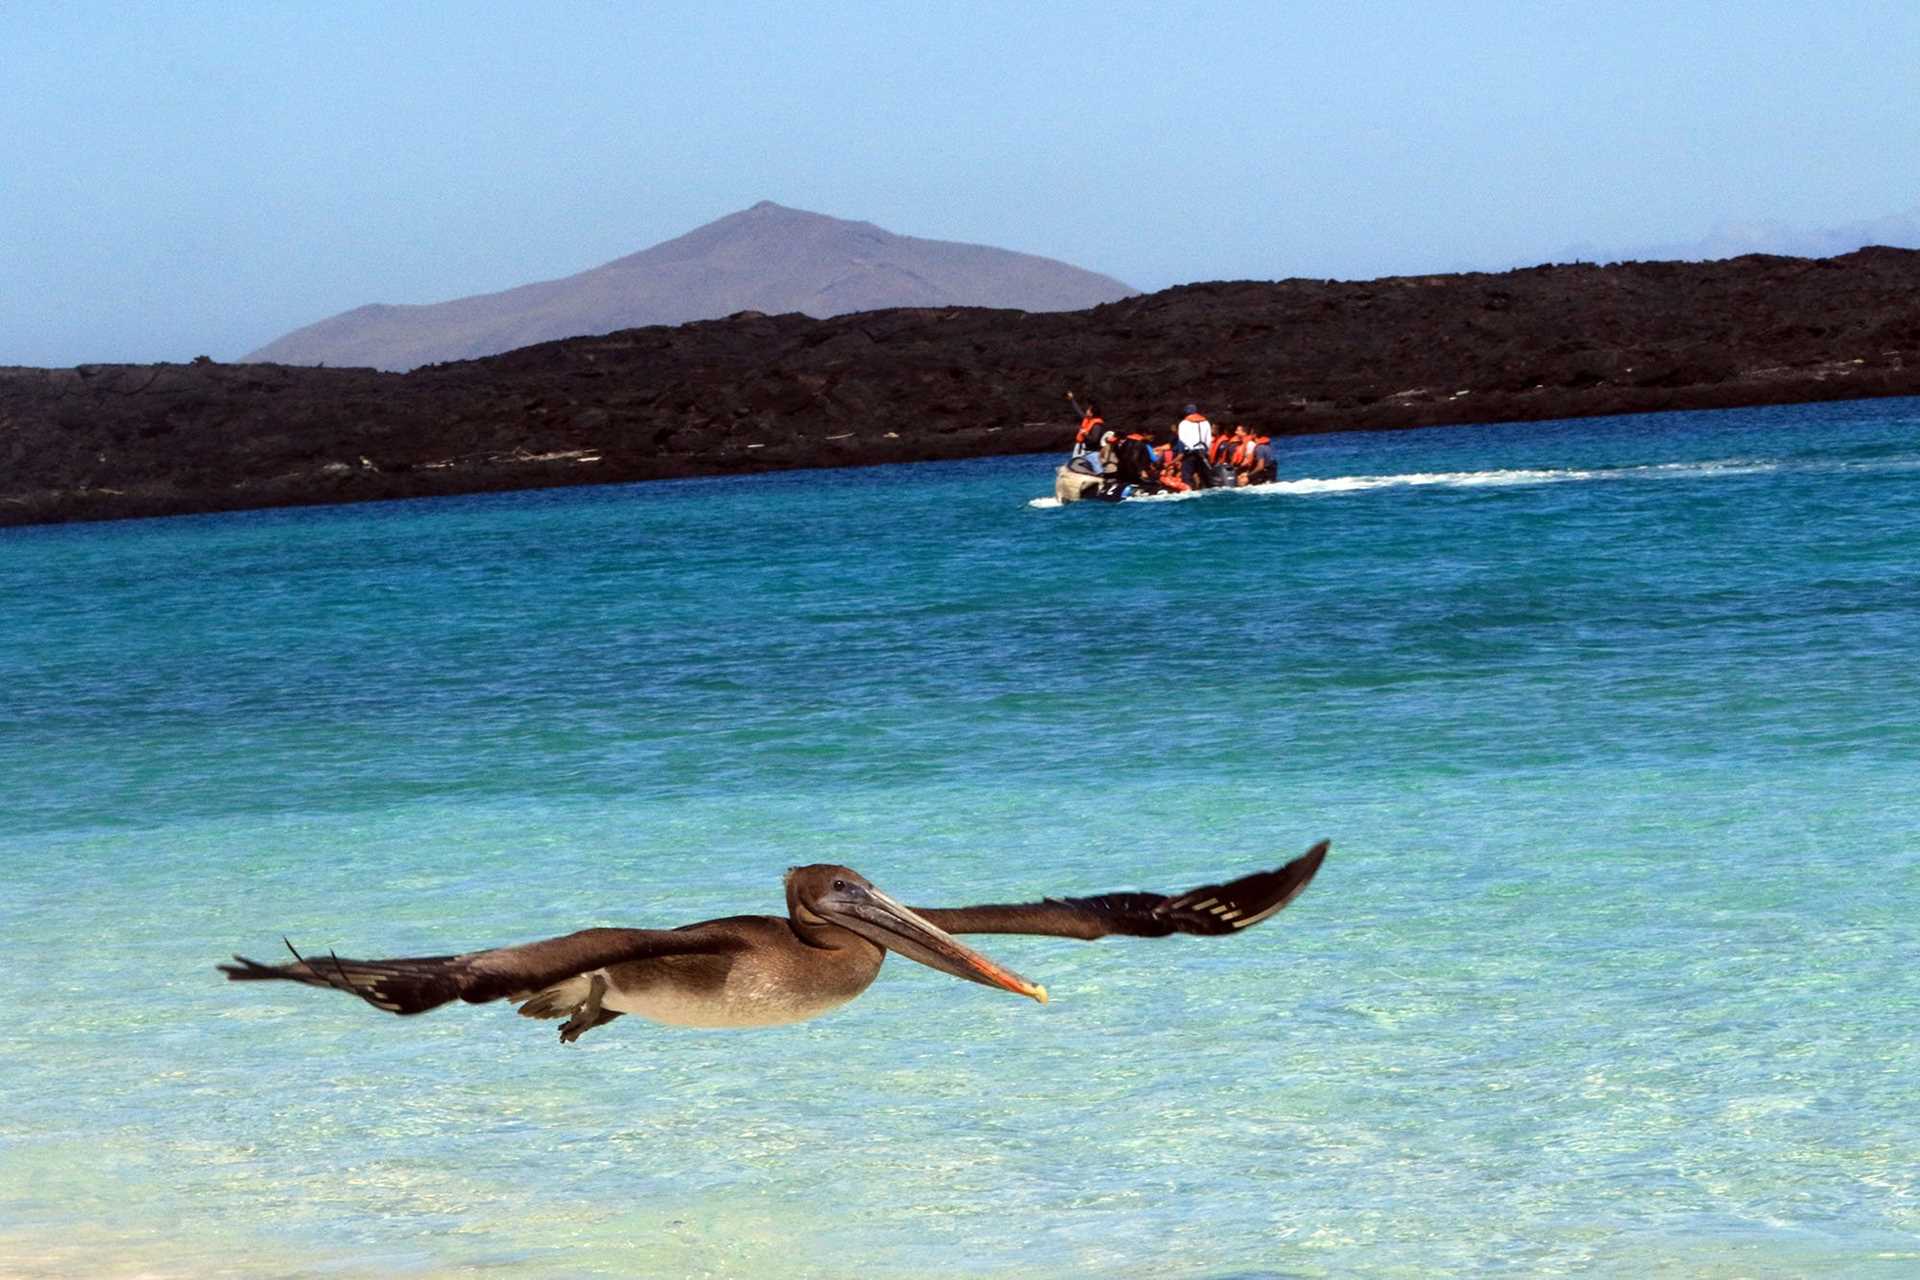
x=757 y=392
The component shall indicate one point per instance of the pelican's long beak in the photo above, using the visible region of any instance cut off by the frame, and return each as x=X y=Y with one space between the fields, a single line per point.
x=877 y=917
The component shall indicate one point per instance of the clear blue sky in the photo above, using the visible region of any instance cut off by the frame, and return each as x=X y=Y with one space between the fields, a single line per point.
x=180 y=178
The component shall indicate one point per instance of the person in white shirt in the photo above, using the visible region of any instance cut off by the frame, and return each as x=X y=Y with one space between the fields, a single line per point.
x=1194 y=434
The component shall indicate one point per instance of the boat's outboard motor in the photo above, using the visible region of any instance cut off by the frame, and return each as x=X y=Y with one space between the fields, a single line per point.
x=1078 y=478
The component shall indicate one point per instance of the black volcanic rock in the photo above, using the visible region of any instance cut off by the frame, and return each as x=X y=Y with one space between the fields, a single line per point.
x=758 y=392
x=766 y=258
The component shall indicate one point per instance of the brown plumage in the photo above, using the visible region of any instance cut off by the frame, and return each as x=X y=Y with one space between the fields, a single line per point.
x=765 y=970
x=1212 y=910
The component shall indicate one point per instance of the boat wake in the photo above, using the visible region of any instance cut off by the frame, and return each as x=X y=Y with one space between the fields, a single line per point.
x=1517 y=476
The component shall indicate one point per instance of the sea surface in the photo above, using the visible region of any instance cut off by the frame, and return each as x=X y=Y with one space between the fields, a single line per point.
x=1614 y=969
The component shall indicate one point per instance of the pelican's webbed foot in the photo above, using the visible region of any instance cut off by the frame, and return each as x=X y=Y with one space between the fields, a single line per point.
x=587 y=1014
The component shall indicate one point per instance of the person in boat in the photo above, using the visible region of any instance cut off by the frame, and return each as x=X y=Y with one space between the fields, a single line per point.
x=1261 y=468
x=1173 y=463
x=1135 y=466
x=1193 y=436
x=1084 y=474
x=1238 y=454
x=1220 y=459
x=1092 y=425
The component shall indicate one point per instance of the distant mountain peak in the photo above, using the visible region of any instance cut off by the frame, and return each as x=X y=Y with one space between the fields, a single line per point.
x=768 y=257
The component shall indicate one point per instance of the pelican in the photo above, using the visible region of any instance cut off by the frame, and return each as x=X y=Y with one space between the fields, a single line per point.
x=759 y=971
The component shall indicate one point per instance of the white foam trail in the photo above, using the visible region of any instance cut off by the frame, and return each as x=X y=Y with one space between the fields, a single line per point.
x=1452 y=479
x=1521 y=476
x=1477 y=479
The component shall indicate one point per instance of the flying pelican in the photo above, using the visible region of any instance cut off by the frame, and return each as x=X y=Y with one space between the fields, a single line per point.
x=759 y=971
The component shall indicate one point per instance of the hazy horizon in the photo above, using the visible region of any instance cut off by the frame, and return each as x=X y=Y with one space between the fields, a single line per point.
x=186 y=181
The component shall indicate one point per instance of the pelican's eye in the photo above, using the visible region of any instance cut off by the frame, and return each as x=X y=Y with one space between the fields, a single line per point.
x=840 y=885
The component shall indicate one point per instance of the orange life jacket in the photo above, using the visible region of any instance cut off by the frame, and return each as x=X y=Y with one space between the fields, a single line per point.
x=1170 y=473
x=1087 y=425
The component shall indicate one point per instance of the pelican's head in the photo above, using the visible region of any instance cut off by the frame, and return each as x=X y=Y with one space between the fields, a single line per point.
x=824 y=893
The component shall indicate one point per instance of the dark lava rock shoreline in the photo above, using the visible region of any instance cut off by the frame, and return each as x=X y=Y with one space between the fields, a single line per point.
x=758 y=393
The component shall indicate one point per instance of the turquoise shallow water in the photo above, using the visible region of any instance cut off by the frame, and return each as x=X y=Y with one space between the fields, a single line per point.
x=1612 y=723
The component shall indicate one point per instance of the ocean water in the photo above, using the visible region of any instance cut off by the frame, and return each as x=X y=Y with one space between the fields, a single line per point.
x=1614 y=725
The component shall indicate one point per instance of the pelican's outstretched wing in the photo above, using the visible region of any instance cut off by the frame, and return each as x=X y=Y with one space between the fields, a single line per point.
x=416 y=984
x=1211 y=910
